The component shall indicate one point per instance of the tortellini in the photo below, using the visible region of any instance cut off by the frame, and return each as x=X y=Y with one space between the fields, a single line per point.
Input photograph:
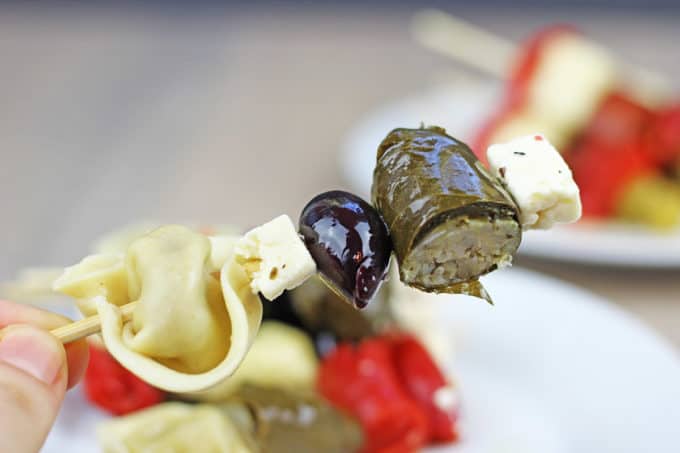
x=268 y=363
x=197 y=311
x=172 y=427
x=254 y=420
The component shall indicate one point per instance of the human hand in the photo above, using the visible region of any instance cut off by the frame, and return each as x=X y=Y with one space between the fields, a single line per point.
x=35 y=371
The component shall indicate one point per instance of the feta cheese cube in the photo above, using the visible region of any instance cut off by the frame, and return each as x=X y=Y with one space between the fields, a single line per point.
x=274 y=257
x=538 y=179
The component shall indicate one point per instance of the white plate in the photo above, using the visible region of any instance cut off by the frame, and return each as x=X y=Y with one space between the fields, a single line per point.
x=548 y=369
x=460 y=109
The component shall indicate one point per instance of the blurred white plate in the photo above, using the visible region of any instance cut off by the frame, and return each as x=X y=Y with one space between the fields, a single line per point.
x=461 y=109
x=548 y=369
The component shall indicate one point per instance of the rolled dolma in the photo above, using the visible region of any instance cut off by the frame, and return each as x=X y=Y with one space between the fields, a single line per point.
x=283 y=421
x=450 y=220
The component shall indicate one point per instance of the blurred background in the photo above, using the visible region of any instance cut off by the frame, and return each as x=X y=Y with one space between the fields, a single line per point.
x=236 y=113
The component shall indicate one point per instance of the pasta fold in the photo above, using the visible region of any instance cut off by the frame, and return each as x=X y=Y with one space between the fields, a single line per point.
x=172 y=427
x=197 y=311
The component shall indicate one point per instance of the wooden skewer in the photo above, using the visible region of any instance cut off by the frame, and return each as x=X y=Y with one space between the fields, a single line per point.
x=92 y=324
x=88 y=326
x=463 y=41
x=481 y=49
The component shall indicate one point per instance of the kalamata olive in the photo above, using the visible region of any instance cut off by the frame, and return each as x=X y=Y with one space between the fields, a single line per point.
x=349 y=242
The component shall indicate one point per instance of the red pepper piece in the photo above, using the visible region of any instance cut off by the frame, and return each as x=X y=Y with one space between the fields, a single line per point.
x=422 y=379
x=113 y=388
x=610 y=153
x=618 y=120
x=663 y=136
x=602 y=171
x=362 y=381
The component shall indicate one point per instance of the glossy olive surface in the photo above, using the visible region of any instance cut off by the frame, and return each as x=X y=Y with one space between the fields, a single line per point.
x=349 y=242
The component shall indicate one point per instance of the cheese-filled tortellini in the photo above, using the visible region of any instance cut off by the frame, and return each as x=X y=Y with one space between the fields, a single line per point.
x=255 y=420
x=197 y=306
x=172 y=427
x=268 y=363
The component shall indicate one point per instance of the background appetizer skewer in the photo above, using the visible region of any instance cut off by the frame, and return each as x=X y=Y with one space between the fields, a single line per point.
x=617 y=125
x=493 y=54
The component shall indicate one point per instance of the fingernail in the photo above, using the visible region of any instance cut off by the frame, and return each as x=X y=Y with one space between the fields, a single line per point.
x=32 y=351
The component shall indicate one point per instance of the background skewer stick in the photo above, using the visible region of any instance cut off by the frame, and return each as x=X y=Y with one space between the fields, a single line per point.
x=492 y=54
x=463 y=41
x=88 y=326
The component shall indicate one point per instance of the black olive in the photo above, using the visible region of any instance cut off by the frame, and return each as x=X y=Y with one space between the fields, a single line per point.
x=349 y=242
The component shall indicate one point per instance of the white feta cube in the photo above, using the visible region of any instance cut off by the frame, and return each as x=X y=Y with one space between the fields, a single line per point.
x=538 y=179
x=274 y=257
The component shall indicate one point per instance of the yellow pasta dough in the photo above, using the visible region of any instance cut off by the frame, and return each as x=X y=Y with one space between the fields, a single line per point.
x=197 y=310
x=172 y=427
x=268 y=363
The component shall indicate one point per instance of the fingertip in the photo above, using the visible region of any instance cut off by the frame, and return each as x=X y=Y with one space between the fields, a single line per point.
x=33 y=381
x=77 y=352
x=35 y=352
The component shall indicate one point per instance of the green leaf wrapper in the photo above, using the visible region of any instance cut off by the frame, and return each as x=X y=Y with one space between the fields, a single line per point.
x=450 y=219
x=283 y=421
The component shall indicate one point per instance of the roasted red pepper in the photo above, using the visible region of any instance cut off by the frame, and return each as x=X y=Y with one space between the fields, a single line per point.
x=610 y=153
x=362 y=381
x=115 y=389
x=388 y=383
x=426 y=384
x=618 y=120
x=663 y=136
x=602 y=171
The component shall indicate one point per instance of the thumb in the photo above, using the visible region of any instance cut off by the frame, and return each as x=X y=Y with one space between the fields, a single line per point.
x=32 y=385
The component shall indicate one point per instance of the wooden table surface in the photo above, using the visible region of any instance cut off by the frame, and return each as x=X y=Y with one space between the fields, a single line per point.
x=109 y=117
